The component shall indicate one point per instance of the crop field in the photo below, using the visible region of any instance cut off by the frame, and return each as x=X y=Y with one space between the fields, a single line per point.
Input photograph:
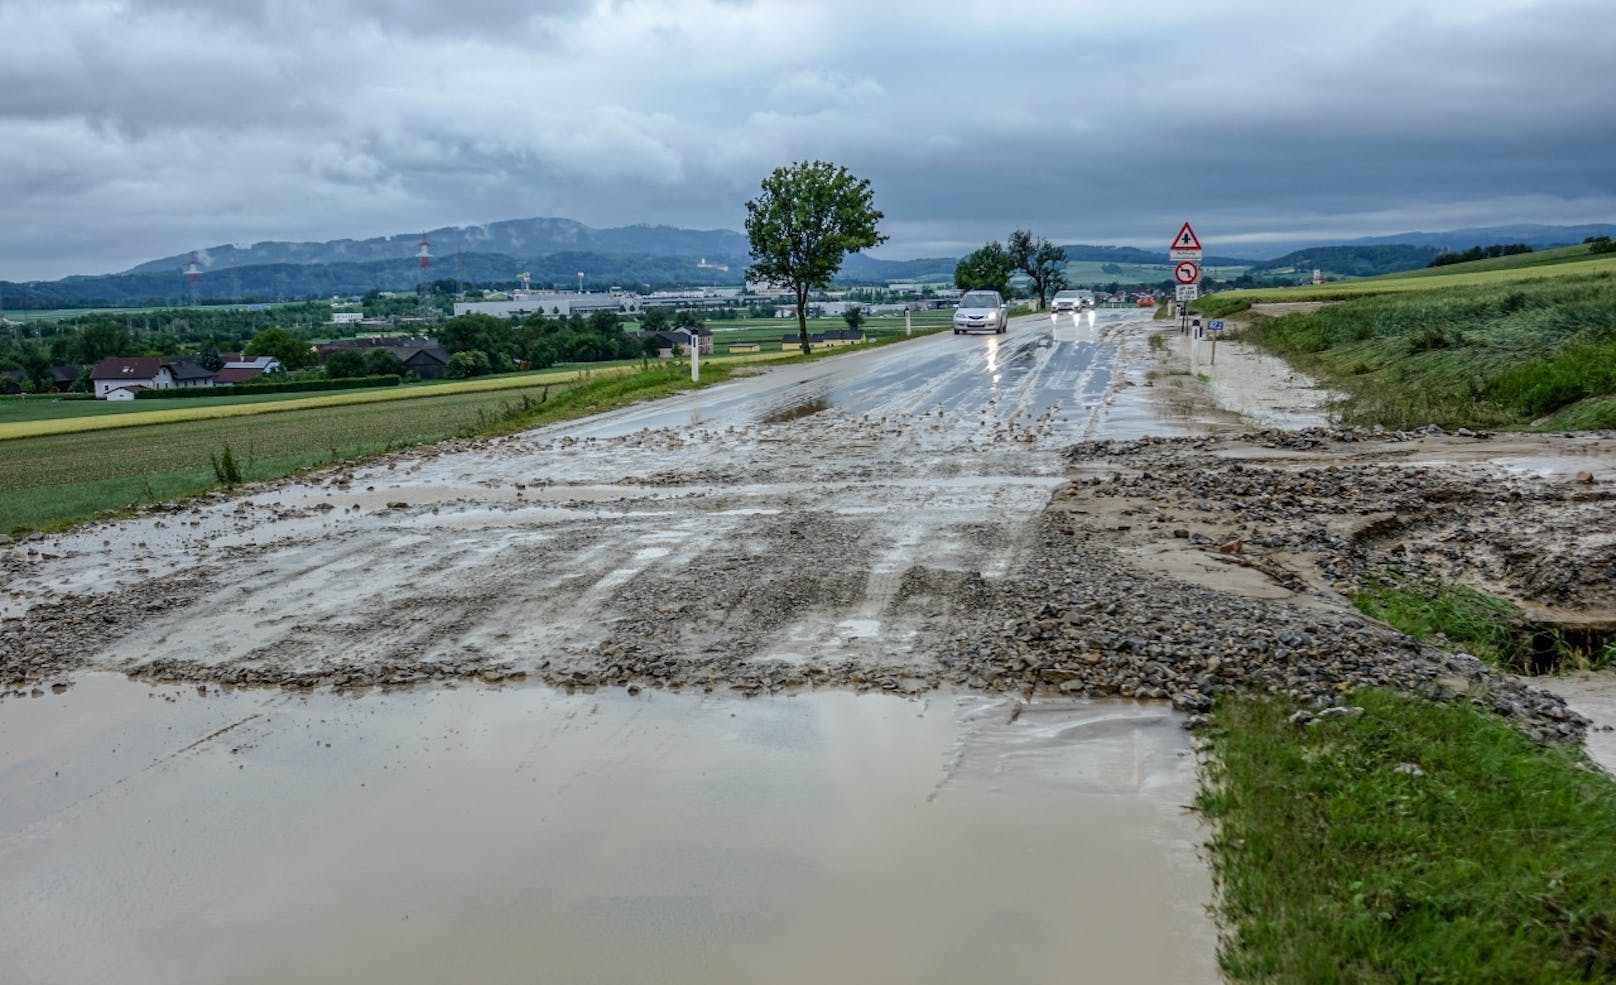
x=1571 y=262
x=80 y=474
x=87 y=415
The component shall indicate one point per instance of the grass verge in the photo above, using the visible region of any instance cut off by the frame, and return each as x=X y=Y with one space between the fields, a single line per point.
x=1510 y=354
x=1422 y=607
x=1417 y=843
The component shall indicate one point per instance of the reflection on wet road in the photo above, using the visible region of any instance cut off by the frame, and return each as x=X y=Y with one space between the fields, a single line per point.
x=1041 y=364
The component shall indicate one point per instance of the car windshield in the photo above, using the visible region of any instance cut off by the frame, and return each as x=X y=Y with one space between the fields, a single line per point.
x=980 y=299
x=1067 y=296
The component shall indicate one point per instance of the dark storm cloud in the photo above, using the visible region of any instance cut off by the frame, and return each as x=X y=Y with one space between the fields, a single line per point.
x=147 y=127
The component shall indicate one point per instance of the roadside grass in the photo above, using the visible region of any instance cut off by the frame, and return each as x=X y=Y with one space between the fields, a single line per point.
x=1485 y=625
x=1420 y=842
x=1504 y=354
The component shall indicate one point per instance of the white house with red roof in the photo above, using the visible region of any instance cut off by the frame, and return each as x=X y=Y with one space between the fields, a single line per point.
x=130 y=375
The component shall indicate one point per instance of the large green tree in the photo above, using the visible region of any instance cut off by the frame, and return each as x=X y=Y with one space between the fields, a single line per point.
x=1042 y=261
x=345 y=363
x=485 y=333
x=293 y=352
x=987 y=268
x=102 y=339
x=807 y=218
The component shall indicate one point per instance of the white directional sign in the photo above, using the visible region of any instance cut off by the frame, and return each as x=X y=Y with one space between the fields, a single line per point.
x=1187 y=272
x=1188 y=292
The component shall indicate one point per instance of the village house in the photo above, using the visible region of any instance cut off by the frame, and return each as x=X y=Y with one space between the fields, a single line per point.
x=824 y=340
x=189 y=374
x=129 y=376
x=420 y=355
x=676 y=341
x=245 y=370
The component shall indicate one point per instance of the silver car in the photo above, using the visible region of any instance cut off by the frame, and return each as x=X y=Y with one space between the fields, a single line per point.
x=1065 y=302
x=981 y=311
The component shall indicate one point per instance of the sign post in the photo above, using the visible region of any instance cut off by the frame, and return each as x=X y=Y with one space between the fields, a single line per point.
x=1185 y=252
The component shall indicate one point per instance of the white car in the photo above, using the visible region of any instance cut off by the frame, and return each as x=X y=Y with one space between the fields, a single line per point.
x=981 y=311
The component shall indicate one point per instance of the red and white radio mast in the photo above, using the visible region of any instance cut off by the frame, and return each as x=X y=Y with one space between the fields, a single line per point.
x=193 y=278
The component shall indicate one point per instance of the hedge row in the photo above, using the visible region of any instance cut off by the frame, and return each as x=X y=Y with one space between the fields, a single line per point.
x=248 y=389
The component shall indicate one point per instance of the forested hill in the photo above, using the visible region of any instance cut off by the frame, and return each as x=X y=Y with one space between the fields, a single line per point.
x=297 y=281
x=1352 y=261
x=1077 y=252
x=513 y=237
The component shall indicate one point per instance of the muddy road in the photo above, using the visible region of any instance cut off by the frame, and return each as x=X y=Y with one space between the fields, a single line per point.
x=596 y=698
x=816 y=523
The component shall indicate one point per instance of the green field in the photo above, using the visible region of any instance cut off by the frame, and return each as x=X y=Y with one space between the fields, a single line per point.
x=67 y=476
x=92 y=463
x=61 y=314
x=1570 y=261
x=1518 y=341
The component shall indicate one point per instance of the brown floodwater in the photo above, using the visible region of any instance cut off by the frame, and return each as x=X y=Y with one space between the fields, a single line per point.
x=154 y=835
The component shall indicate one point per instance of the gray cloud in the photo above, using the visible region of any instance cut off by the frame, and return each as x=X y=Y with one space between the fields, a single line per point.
x=146 y=127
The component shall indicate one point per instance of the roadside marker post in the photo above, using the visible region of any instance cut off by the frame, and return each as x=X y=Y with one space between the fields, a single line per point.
x=695 y=358
x=908 y=327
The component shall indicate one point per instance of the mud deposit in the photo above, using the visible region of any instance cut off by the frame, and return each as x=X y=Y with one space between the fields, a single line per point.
x=933 y=515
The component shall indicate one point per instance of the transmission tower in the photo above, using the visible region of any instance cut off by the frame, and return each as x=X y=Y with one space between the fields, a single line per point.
x=423 y=263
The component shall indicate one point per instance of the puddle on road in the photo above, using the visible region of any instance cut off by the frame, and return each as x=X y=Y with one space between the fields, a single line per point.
x=471 y=834
x=1591 y=694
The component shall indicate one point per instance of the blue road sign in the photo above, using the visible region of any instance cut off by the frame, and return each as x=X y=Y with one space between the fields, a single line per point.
x=1217 y=326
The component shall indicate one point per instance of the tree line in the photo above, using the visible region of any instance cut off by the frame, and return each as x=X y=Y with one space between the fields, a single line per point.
x=1479 y=253
x=990 y=267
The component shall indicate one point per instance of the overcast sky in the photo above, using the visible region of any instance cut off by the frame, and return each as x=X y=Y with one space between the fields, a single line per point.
x=134 y=129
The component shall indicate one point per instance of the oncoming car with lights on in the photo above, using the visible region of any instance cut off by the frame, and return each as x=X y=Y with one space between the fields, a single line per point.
x=981 y=311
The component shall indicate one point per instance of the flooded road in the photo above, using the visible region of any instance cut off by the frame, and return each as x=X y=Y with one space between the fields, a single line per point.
x=817 y=530
x=521 y=834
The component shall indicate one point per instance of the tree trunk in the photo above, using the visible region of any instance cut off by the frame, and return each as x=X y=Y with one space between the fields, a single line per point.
x=802 y=321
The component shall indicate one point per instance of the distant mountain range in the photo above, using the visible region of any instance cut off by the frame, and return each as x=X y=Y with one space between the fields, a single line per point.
x=514 y=238
x=553 y=251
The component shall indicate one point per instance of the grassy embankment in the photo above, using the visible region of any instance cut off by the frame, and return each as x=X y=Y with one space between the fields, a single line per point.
x=1427 y=842
x=1518 y=341
x=1417 y=843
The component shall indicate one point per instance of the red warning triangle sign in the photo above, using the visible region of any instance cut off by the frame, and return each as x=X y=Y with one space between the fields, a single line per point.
x=1186 y=239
